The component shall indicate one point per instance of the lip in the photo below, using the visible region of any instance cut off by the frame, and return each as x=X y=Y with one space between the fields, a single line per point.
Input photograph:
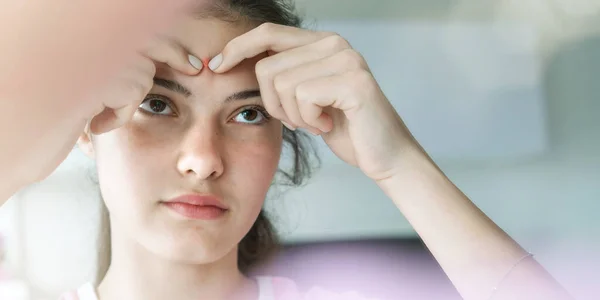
x=202 y=207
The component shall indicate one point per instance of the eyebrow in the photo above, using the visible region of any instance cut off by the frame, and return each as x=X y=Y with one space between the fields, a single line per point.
x=173 y=86
x=243 y=95
x=179 y=88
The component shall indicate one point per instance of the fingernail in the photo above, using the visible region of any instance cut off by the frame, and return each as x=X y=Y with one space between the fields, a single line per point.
x=290 y=127
x=195 y=62
x=215 y=62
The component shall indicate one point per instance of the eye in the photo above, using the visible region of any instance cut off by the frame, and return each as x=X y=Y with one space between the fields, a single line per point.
x=252 y=115
x=157 y=105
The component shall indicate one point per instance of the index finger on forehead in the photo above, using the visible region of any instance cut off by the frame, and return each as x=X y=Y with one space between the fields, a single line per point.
x=264 y=38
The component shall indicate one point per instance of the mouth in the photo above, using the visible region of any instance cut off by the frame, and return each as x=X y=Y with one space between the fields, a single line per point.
x=199 y=207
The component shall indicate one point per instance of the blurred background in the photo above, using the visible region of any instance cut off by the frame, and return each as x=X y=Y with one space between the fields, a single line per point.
x=503 y=94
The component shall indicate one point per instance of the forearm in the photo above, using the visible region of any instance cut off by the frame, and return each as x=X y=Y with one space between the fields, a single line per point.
x=33 y=148
x=473 y=251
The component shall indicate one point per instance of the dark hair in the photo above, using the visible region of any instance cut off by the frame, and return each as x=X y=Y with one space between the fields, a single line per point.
x=253 y=12
x=261 y=241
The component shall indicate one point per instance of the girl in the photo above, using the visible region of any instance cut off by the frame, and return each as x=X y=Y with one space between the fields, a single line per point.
x=185 y=177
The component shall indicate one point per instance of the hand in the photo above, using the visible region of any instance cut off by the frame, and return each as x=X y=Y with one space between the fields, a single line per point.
x=121 y=98
x=315 y=80
x=61 y=54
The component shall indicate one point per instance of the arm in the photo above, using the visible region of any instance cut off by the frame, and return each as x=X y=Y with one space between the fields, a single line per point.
x=338 y=97
x=54 y=54
x=474 y=252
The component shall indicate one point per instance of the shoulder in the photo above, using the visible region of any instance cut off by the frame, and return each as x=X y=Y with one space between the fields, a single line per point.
x=286 y=289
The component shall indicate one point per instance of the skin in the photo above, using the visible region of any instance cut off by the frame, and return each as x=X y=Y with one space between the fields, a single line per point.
x=200 y=144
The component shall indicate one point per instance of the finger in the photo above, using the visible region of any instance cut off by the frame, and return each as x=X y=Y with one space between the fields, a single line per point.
x=286 y=95
x=286 y=83
x=269 y=67
x=132 y=85
x=342 y=92
x=264 y=38
x=269 y=97
x=320 y=49
x=122 y=104
x=173 y=54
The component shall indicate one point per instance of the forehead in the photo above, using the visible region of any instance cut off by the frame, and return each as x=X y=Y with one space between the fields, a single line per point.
x=206 y=37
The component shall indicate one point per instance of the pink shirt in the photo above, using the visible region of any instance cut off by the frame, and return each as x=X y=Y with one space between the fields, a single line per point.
x=269 y=288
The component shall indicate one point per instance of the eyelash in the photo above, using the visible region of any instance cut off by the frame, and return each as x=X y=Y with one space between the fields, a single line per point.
x=260 y=109
x=171 y=105
x=162 y=98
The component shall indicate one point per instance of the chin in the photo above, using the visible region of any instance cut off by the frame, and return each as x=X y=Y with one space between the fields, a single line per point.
x=193 y=250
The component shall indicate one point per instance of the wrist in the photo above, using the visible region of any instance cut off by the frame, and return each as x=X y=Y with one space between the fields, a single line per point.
x=411 y=161
x=414 y=176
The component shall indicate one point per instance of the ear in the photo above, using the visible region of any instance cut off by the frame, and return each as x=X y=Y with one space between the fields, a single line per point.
x=85 y=144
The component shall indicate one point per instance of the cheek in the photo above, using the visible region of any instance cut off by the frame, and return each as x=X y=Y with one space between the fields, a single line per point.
x=138 y=162
x=251 y=164
x=139 y=144
x=128 y=160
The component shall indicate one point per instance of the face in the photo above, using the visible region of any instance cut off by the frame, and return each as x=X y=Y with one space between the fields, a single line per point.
x=203 y=135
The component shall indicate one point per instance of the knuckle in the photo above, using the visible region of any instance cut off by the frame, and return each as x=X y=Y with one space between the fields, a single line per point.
x=276 y=113
x=138 y=89
x=302 y=94
x=145 y=67
x=146 y=85
x=363 y=79
x=267 y=27
x=262 y=69
x=229 y=47
x=352 y=59
x=149 y=68
x=336 y=42
x=281 y=83
x=271 y=104
x=326 y=34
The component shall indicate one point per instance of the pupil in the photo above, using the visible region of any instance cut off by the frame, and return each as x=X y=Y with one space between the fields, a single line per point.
x=250 y=115
x=157 y=105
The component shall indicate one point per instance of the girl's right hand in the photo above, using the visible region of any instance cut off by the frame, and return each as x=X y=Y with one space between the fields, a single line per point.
x=120 y=99
x=59 y=60
x=113 y=105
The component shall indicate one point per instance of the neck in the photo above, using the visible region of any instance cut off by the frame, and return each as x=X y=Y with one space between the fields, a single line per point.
x=135 y=273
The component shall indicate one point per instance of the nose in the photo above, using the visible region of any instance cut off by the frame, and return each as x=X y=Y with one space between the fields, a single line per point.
x=200 y=156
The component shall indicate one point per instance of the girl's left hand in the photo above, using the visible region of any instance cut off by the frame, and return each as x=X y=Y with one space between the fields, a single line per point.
x=315 y=80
